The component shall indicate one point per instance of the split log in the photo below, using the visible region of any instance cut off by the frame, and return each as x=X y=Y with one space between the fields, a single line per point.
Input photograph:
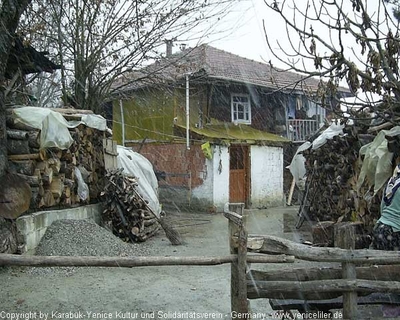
x=14 y=123
x=57 y=187
x=17 y=134
x=17 y=146
x=86 y=151
x=69 y=182
x=332 y=171
x=71 y=111
x=47 y=176
x=42 y=166
x=33 y=181
x=125 y=210
x=15 y=195
x=26 y=167
x=48 y=199
x=34 y=139
x=55 y=164
x=67 y=191
x=149 y=222
x=24 y=156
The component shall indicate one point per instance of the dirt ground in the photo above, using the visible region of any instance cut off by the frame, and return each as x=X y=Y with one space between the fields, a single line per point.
x=175 y=292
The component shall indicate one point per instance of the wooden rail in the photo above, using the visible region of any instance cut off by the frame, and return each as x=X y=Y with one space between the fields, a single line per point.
x=239 y=258
x=362 y=272
x=299 y=130
x=129 y=262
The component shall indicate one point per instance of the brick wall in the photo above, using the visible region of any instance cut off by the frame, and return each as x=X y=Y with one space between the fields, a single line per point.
x=174 y=158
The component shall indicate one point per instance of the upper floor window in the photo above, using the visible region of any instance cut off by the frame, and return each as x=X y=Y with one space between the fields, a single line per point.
x=241 y=108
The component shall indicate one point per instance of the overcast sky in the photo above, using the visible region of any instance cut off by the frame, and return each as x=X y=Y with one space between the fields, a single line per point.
x=246 y=37
x=239 y=32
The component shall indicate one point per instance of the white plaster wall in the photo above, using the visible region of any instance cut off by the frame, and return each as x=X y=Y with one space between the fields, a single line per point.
x=215 y=188
x=204 y=192
x=221 y=176
x=266 y=176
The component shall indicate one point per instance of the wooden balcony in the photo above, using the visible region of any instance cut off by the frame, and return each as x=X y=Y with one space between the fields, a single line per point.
x=299 y=130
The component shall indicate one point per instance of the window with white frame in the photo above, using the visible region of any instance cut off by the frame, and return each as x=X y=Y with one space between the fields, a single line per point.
x=241 y=108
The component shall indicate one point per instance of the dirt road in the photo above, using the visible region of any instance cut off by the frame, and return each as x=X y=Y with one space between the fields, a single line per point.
x=177 y=292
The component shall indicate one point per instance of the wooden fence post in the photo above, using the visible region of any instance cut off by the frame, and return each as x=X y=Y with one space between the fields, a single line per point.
x=237 y=226
x=345 y=239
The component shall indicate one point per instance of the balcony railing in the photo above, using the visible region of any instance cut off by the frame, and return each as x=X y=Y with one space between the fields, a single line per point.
x=299 y=130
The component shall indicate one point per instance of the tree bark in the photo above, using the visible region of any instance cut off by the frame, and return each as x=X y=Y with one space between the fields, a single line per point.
x=10 y=13
x=118 y=262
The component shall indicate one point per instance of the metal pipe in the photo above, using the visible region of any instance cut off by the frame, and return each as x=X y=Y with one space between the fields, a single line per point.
x=122 y=121
x=187 y=112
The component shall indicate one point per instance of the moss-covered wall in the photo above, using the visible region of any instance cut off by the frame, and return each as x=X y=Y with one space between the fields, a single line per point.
x=262 y=107
x=151 y=113
x=268 y=109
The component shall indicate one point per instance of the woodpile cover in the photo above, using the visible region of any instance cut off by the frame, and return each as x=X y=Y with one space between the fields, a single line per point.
x=345 y=175
x=51 y=172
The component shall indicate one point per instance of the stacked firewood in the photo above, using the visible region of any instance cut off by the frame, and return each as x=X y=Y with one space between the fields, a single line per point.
x=51 y=172
x=332 y=174
x=126 y=212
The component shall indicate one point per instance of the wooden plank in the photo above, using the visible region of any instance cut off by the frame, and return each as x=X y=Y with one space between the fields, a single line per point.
x=110 y=153
x=233 y=217
x=273 y=244
x=291 y=190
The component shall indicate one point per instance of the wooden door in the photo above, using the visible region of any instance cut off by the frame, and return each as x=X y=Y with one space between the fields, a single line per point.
x=238 y=174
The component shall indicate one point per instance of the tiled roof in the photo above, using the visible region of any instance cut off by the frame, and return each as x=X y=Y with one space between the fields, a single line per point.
x=222 y=65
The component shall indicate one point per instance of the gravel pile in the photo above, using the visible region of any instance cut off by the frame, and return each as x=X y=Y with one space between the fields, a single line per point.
x=84 y=238
x=81 y=238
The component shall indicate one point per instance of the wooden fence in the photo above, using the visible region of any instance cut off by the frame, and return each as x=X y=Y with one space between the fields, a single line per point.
x=362 y=271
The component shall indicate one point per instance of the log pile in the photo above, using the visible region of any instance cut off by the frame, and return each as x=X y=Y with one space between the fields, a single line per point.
x=126 y=213
x=332 y=174
x=51 y=172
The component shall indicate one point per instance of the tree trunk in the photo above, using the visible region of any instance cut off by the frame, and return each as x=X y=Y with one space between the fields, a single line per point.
x=3 y=134
x=10 y=13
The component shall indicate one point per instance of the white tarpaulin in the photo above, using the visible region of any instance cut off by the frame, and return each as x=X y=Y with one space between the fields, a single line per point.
x=134 y=164
x=377 y=165
x=297 y=165
x=53 y=126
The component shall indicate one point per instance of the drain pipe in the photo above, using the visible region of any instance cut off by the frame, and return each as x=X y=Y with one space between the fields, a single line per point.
x=187 y=112
x=122 y=122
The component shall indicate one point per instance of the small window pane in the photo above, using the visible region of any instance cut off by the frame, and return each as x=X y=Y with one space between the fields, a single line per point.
x=241 y=108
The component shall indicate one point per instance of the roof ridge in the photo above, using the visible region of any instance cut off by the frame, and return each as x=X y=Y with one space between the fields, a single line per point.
x=236 y=55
